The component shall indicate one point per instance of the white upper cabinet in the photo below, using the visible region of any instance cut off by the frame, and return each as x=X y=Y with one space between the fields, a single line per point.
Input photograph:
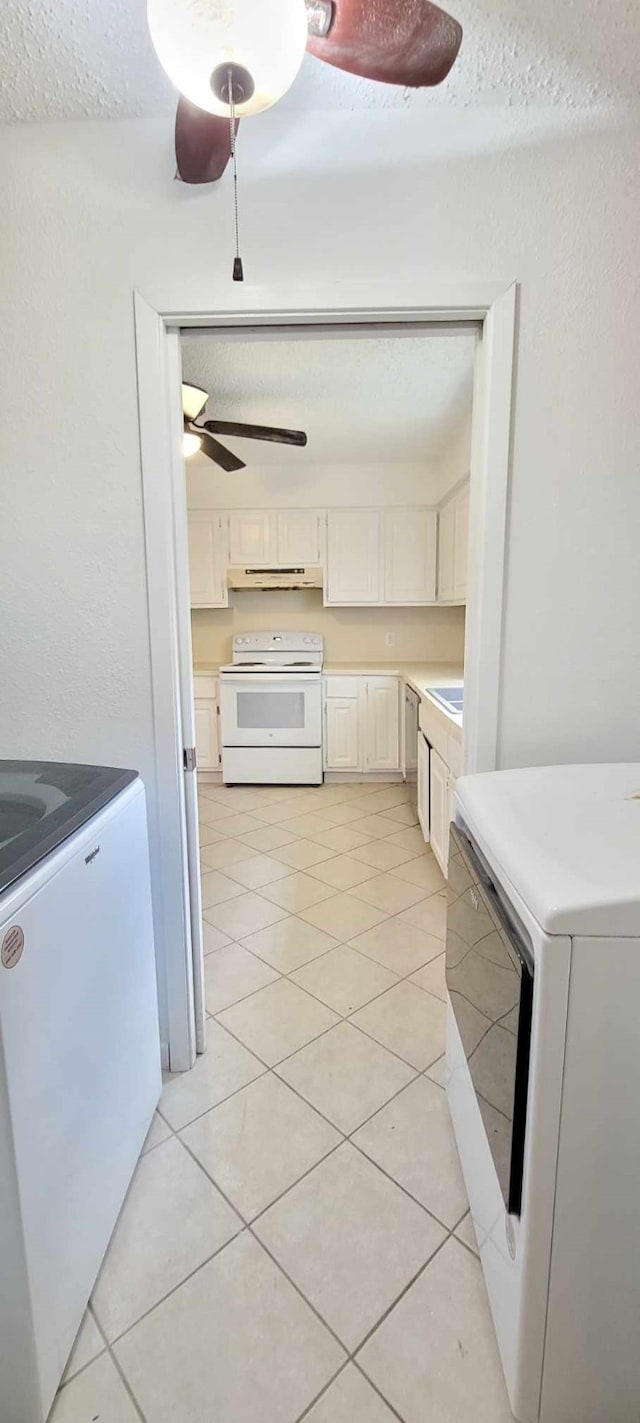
x=298 y=533
x=446 y=544
x=285 y=536
x=410 y=556
x=371 y=557
x=207 y=559
x=453 y=548
x=382 y=724
x=252 y=538
x=353 y=556
x=461 y=544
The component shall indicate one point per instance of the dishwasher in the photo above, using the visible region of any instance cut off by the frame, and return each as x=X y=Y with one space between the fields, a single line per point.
x=411 y=709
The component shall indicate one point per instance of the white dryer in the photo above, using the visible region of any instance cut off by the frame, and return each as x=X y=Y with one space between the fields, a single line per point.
x=543 y=1059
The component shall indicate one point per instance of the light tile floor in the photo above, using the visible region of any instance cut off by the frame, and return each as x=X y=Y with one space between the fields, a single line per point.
x=296 y=1241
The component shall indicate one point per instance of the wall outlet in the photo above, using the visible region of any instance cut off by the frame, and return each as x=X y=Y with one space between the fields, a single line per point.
x=389 y=639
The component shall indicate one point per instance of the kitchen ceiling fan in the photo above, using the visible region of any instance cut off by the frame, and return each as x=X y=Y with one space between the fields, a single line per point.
x=230 y=58
x=202 y=437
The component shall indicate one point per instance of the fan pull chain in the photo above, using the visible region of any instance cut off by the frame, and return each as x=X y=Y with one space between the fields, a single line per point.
x=238 y=273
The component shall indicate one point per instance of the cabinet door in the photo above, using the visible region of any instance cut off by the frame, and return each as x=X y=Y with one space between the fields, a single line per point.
x=439 y=817
x=298 y=536
x=205 y=702
x=446 y=542
x=252 y=538
x=206 y=717
x=342 y=740
x=451 y=795
x=382 y=724
x=461 y=544
x=353 y=556
x=410 y=556
x=423 y=785
x=207 y=562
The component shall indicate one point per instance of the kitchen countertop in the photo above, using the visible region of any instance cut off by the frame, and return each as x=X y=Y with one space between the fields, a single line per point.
x=419 y=675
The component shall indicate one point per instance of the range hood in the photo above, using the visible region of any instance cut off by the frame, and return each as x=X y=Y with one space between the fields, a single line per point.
x=263 y=578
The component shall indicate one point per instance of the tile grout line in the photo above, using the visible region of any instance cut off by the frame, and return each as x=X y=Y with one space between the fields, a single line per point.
x=126 y=1383
x=346 y=1138
x=247 y=1225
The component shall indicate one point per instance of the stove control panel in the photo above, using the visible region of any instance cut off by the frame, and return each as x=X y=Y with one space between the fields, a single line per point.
x=281 y=642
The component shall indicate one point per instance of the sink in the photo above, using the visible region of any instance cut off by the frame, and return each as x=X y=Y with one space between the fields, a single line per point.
x=451 y=698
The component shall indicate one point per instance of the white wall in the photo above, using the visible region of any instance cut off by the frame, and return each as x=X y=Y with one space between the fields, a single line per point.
x=421 y=634
x=90 y=211
x=317 y=486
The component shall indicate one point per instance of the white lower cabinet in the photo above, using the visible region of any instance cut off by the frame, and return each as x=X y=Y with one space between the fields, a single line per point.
x=439 y=809
x=342 y=734
x=362 y=724
x=423 y=785
x=205 y=701
x=382 y=724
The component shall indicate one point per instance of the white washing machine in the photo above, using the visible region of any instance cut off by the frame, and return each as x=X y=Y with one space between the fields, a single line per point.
x=543 y=1066
x=79 y=1051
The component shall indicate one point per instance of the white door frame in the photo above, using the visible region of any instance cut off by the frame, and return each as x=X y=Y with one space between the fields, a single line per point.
x=158 y=317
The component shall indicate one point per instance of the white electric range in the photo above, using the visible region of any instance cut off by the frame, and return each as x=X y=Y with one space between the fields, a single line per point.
x=271 y=709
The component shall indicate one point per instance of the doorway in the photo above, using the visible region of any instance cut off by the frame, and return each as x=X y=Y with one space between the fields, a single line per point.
x=177 y=889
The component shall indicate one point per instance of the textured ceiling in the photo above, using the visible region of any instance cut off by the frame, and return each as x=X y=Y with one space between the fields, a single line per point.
x=360 y=399
x=93 y=58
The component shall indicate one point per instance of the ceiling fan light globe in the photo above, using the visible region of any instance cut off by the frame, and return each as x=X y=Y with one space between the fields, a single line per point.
x=193 y=400
x=194 y=38
x=190 y=444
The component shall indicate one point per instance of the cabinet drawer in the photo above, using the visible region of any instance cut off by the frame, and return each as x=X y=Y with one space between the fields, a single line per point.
x=433 y=724
x=205 y=685
x=336 y=686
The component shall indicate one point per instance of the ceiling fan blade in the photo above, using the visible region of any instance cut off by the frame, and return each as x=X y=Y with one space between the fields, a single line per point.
x=409 y=42
x=257 y=432
x=214 y=450
x=203 y=144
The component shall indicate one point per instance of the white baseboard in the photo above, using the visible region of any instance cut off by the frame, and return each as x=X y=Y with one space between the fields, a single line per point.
x=373 y=777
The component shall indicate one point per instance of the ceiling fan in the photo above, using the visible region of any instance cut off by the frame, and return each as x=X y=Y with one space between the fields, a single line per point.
x=238 y=58
x=202 y=437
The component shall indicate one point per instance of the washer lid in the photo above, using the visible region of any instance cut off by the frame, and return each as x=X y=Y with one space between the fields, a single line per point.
x=568 y=840
x=43 y=802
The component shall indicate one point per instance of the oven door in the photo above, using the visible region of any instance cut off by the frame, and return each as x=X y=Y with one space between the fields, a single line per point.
x=489 y=969
x=263 y=709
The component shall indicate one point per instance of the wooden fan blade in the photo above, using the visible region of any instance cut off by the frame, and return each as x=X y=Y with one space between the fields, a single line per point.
x=214 y=450
x=257 y=432
x=203 y=144
x=409 y=42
